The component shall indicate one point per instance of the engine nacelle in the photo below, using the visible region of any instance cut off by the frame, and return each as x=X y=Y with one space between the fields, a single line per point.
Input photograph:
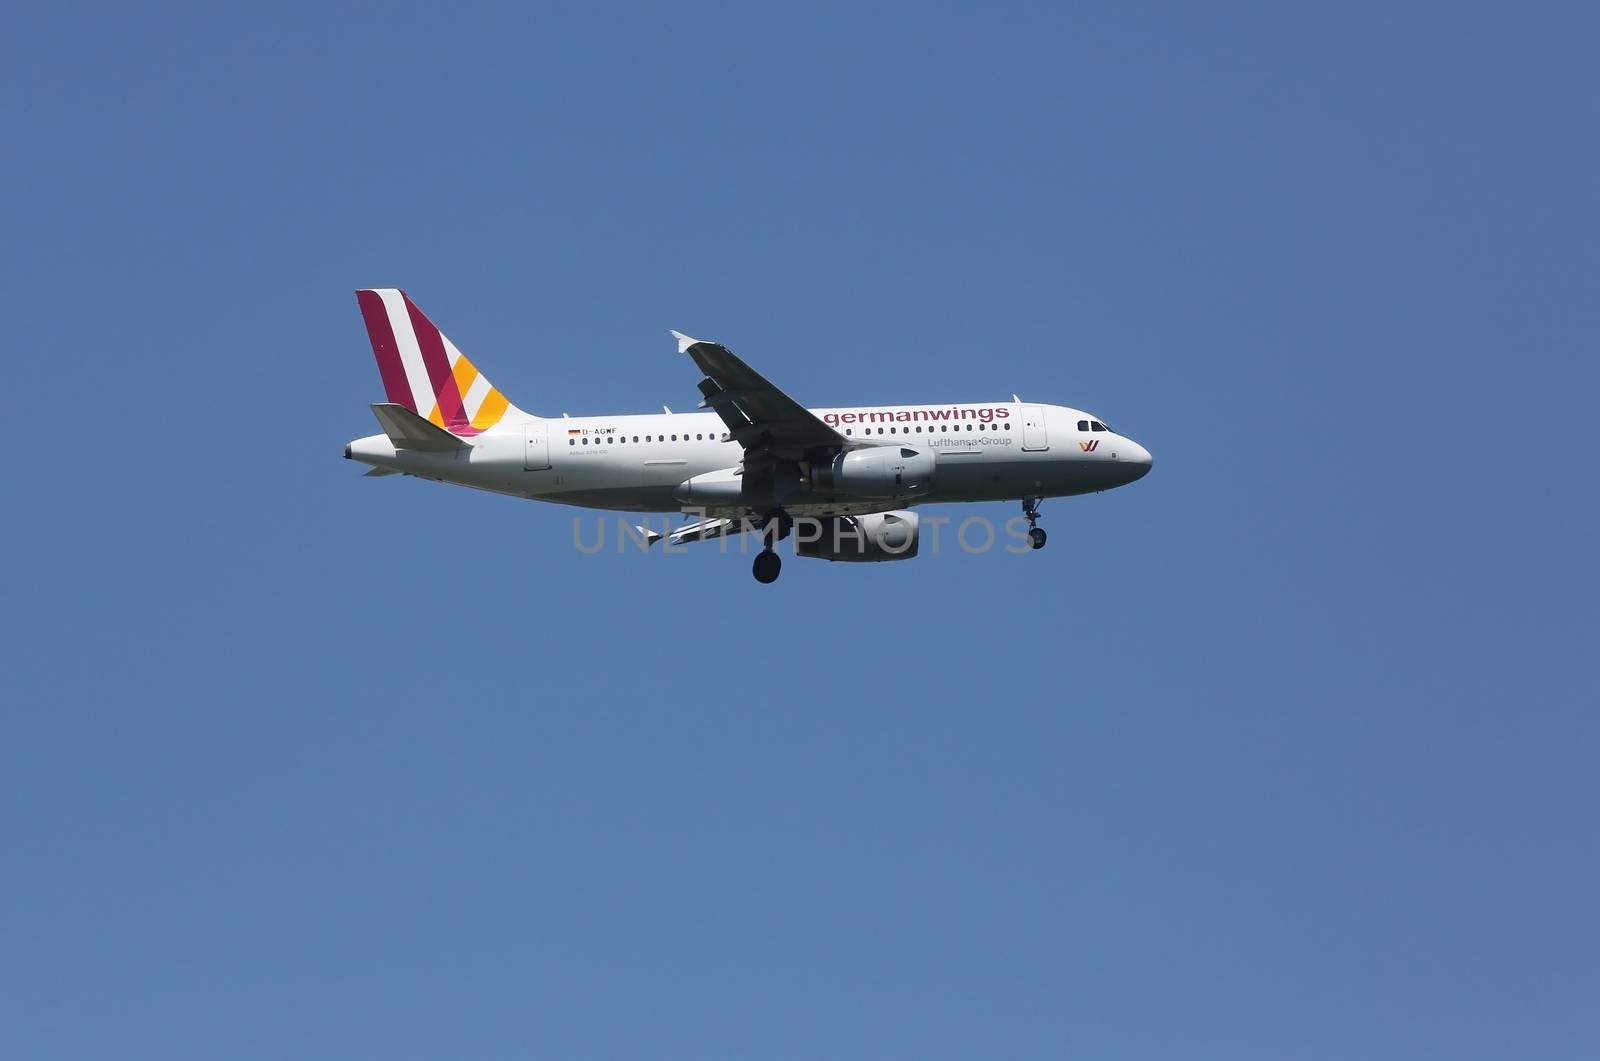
x=887 y=472
x=868 y=539
x=725 y=486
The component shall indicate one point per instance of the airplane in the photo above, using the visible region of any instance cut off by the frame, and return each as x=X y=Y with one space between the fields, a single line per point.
x=757 y=461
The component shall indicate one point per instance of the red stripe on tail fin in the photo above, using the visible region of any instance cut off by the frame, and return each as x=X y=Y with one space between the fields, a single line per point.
x=384 y=348
x=437 y=360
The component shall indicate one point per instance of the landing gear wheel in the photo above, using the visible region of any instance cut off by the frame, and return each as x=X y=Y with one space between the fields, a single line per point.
x=767 y=566
x=1030 y=512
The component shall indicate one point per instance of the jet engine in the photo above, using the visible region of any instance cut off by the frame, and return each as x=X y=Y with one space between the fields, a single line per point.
x=867 y=539
x=875 y=472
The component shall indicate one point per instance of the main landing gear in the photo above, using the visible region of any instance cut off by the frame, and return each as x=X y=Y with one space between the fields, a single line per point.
x=1030 y=511
x=768 y=563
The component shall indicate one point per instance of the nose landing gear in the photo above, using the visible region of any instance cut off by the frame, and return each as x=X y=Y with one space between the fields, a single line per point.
x=1030 y=511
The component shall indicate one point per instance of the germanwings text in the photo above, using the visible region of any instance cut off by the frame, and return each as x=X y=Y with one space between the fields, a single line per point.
x=986 y=413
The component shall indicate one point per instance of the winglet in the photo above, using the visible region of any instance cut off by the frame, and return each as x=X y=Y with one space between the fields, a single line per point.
x=650 y=536
x=407 y=430
x=684 y=342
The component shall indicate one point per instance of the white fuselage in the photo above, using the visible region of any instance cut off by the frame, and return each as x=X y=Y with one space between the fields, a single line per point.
x=983 y=452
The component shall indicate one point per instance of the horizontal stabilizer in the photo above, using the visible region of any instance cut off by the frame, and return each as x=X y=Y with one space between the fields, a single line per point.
x=700 y=531
x=407 y=430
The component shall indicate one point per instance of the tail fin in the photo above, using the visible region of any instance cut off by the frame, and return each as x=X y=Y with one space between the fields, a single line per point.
x=423 y=371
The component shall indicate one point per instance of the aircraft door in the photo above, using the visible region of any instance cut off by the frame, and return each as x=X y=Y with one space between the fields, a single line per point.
x=537 y=451
x=1034 y=434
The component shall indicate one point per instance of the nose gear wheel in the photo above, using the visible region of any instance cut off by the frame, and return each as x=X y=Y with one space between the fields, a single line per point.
x=1030 y=512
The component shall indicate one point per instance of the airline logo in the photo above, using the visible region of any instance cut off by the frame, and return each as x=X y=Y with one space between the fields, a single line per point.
x=1090 y=446
x=422 y=369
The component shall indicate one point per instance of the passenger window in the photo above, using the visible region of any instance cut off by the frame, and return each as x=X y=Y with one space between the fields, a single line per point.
x=572 y=442
x=585 y=442
x=636 y=438
x=674 y=438
x=891 y=431
x=944 y=427
x=1008 y=425
x=699 y=438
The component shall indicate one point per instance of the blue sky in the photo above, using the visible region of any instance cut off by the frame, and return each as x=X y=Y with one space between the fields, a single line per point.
x=1285 y=751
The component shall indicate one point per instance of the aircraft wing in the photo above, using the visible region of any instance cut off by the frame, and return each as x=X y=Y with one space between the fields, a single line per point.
x=760 y=417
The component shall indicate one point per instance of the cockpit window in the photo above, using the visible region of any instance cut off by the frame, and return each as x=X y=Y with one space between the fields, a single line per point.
x=1095 y=425
x=1083 y=425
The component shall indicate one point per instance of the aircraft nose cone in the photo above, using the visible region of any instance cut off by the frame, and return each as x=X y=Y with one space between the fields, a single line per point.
x=1140 y=460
